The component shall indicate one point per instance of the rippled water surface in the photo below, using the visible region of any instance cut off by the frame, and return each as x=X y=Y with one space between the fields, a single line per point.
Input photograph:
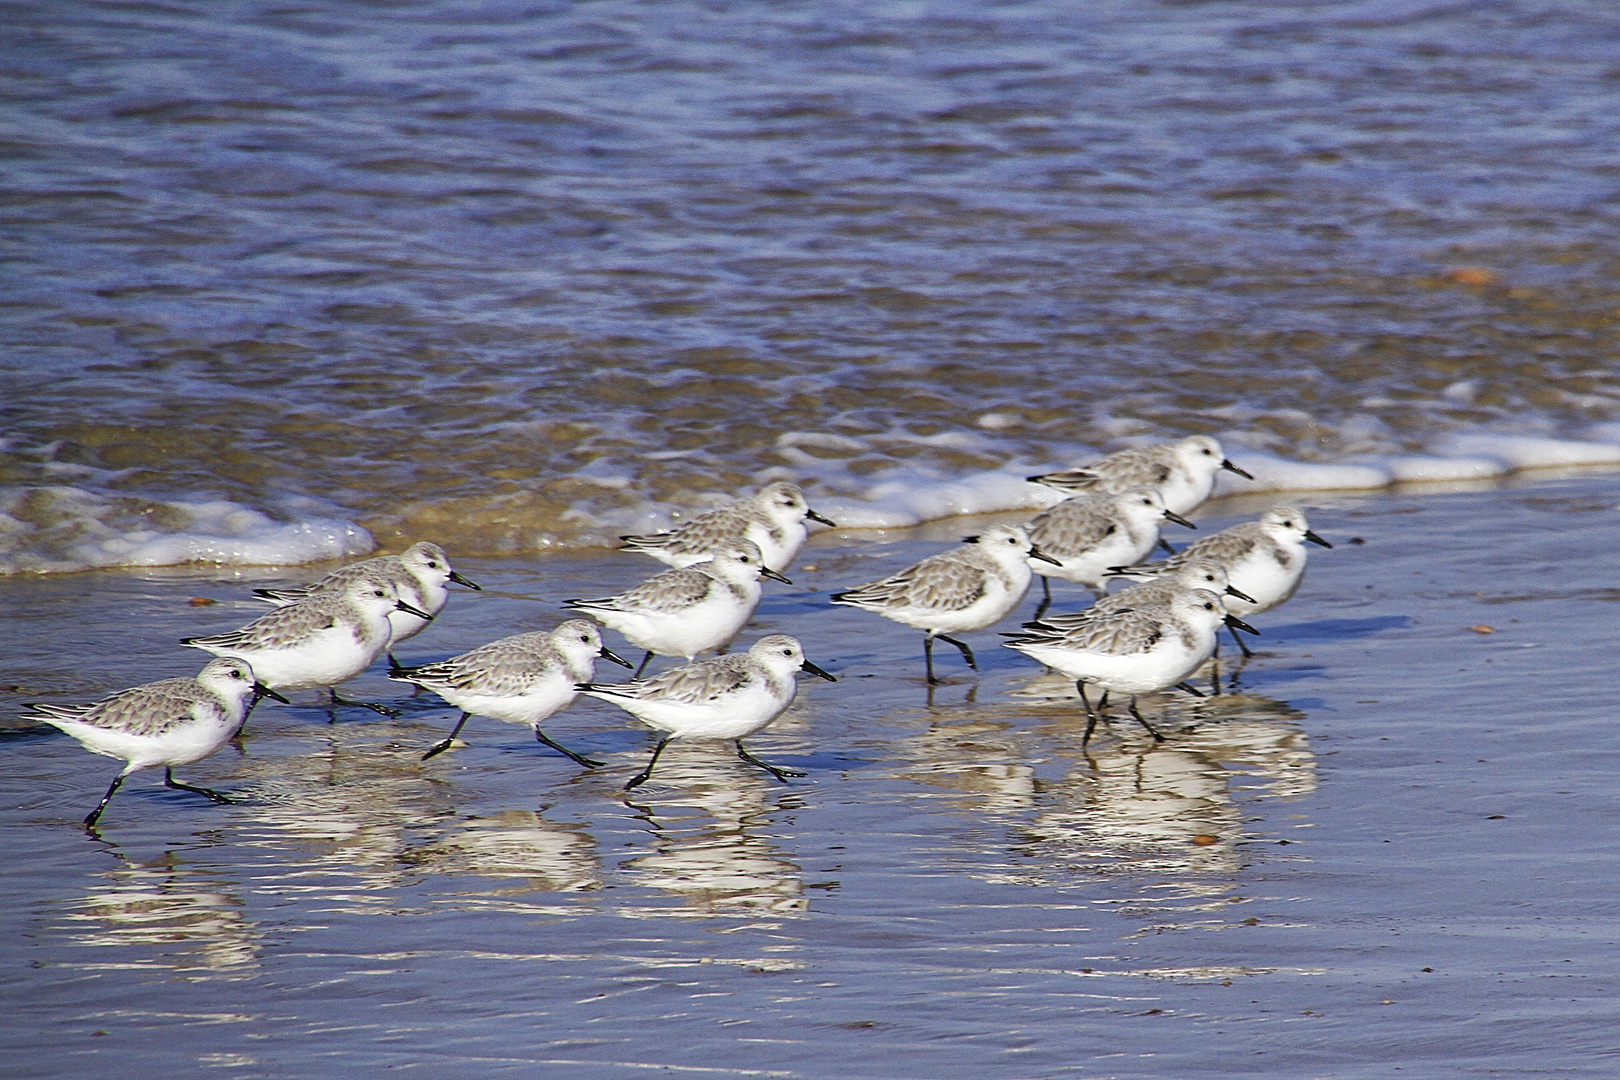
x=1390 y=845
x=533 y=271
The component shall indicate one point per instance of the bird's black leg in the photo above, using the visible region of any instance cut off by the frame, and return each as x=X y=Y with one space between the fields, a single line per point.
x=170 y=781
x=563 y=750
x=392 y=714
x=928 y=657
x=779 y=773
x=1190 y=688
x=1246 y=653
x=1165 y=544
x=444 y=744
x=643 y=666
x=1046 y=598
x=642 y=776
x=1156 y=736
x=967 y=653
x=1091 y=714
x=90 y=819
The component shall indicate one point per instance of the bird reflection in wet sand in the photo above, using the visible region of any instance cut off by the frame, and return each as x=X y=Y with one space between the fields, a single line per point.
x=161 y=915
x=520 y=848
x=717 y=859
x=1176 y=809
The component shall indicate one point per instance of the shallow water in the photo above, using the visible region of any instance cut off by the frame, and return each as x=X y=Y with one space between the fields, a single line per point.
x=1413 y=866
x=538 y=274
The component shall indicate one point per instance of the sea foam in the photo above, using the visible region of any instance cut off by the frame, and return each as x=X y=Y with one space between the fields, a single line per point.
x=60 y=529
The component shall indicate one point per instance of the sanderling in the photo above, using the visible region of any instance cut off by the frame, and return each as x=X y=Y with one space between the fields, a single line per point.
x=522 y=679
x=691 y=610
x=419 y=573
x=967 y=588
x=772 y=519
x=327 y=639
x=724 y=697
x=1182 y=472
x=1191 y=574
x=1265 y=559
x=1132 y=651
x=1090 y=533
x=171 y=722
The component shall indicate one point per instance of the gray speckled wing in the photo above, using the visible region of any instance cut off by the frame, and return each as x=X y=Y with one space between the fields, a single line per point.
x=696 y=683
x=144 y=710
x=1119 y=472
x=671 y=591
x=507 y=667
x=1119 y=633
x=384 y=568
x=285 y=626
x=703 y=533
x=949 y=581
x=1225 y=547
x=1071 y=527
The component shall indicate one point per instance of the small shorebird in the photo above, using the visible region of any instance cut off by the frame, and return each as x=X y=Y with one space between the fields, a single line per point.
x=420 y=573
x=171 y=722
x=723 y=697
x=1265 y=559
x=1092 y=532
x=1132 y=651
x=522 y=679
x=324 y=640
x=772 y=519
x=966 y=588
x=1182 y=472
x=1191 y=574
x=691 y=610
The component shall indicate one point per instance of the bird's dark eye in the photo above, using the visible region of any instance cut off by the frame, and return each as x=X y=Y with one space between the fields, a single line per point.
x=378 y=592
x=1288 y=524
x=1209 y=607
x=235 y=674
x=433 y=564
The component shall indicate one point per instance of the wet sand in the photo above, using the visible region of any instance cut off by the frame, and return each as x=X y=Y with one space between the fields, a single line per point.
x=1413 y=858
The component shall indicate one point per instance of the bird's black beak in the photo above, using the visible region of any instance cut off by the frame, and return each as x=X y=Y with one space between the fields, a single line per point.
x=1313 y=538
x=766 y=571
x=1233 y=590
x=609 y=654
x=970 y=539
x=1238 y=624
x=262 y=691
x=459 y=580
x=1229 y=467
x=813 y=516
x=812 y=669
x=1037 y=553
x=1178 y=519
x=418 y=612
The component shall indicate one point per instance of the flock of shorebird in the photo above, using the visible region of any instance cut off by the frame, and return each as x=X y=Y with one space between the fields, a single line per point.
x=1143 y=639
